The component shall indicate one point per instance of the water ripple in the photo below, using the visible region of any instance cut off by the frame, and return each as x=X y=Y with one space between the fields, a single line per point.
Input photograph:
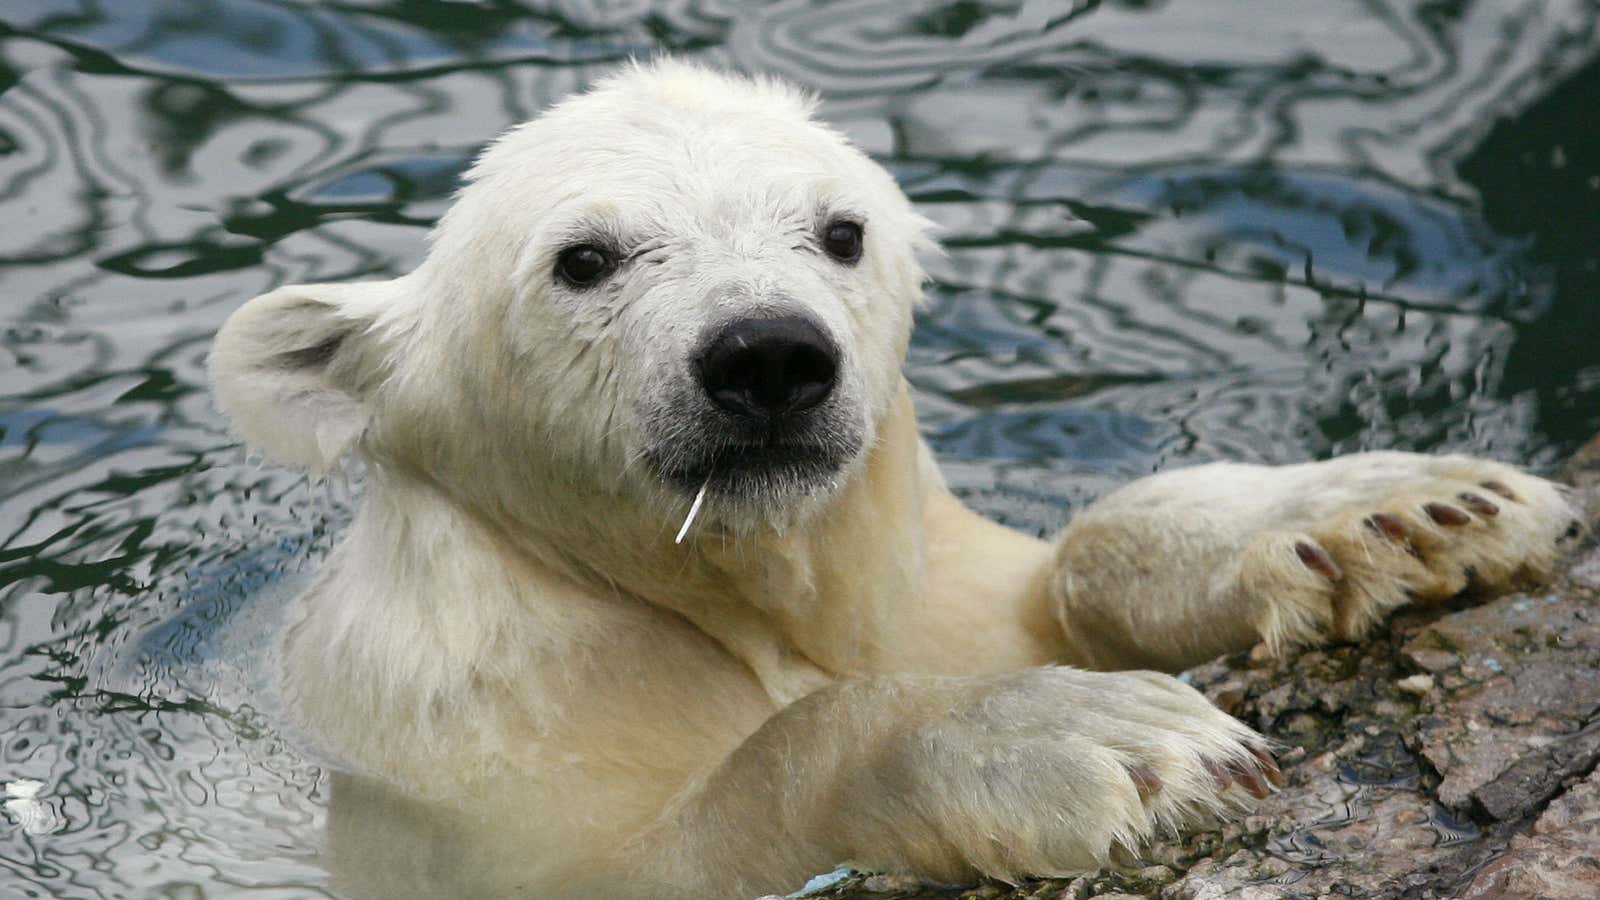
x=1176 y=232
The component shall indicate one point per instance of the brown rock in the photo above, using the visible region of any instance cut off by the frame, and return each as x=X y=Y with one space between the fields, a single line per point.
x=1558 y=859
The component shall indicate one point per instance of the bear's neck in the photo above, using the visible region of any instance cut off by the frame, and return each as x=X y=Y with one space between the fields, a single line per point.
x=822 y=593
x=800 y=605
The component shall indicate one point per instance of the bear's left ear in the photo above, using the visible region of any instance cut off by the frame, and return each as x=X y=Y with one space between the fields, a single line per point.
x=293 y=369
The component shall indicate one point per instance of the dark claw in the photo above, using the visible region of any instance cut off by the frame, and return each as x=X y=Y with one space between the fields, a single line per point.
x=1268 y=765
x=1221 y=774
x=1392 y=527
x=1499 y=488
x=1318 y=560
x=1145 y=781
x=1253 y=778
x=1446 y=515
x=1479 y=505
x=1250 y=778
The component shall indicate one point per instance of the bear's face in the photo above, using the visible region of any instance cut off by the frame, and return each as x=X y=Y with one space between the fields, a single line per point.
x=673 y=282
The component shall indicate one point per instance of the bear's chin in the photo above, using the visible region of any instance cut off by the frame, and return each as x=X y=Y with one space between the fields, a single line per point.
x=765 y=475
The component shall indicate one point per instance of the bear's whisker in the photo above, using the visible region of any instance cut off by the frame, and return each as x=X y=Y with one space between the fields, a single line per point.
x=694 y=510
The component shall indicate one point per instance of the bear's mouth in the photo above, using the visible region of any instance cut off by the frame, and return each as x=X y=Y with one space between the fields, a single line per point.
x=760 y=471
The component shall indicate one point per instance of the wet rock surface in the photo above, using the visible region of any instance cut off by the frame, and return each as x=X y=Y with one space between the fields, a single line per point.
x=1452 y=755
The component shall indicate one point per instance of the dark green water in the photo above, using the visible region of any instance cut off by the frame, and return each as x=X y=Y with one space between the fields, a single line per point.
x=1178 y=232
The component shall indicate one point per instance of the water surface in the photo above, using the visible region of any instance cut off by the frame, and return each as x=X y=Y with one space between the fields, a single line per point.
x=1177 y=232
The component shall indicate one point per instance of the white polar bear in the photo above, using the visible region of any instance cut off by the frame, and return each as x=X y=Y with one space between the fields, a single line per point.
x=679 y=286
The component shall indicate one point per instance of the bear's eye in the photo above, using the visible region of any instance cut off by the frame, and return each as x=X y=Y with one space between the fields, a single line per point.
x=842 y=240
x=583 y=265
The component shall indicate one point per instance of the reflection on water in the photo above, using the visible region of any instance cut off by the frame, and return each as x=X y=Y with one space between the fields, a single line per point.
x=1178 y=232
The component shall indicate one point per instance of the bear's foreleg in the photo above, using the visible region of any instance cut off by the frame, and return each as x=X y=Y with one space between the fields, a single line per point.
x=1046 y=771
x=1180 y=567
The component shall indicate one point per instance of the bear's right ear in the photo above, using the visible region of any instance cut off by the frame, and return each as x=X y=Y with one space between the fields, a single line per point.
x=293 y=369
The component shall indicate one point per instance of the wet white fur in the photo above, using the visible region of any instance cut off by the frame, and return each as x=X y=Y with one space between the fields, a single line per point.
x=539 y=688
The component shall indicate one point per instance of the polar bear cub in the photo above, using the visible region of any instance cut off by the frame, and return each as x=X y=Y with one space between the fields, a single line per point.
x=680 y=290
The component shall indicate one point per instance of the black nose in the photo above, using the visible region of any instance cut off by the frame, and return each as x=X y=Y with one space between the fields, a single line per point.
x=766 y=368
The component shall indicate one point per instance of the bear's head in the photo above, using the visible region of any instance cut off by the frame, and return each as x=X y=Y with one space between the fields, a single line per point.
x=676 y=281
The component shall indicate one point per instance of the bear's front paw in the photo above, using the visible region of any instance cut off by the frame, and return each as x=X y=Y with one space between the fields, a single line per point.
x=1051 y=771
x=1408 y=529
